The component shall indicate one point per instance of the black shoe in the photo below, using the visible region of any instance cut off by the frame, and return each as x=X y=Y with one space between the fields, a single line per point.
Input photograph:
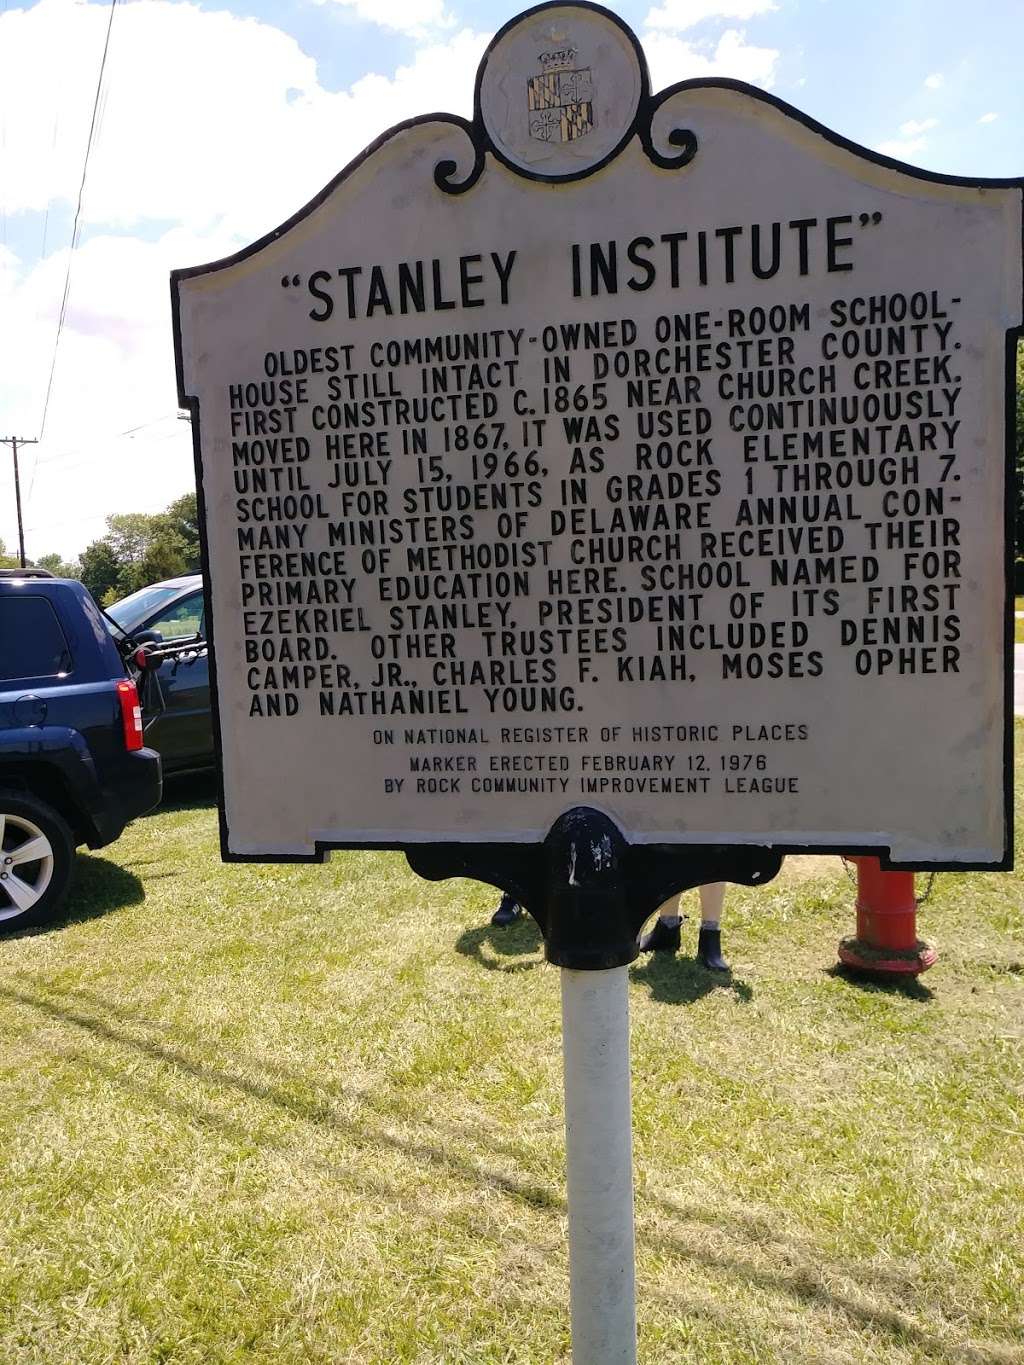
x=709 y=950
x=663 y=938
x=507 y=912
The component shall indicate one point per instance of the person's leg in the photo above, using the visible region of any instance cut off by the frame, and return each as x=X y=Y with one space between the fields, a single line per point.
x=663 y=936
x=507 y=912
x=709 y=942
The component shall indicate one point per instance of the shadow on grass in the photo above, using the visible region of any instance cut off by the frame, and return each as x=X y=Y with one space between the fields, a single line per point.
x=910 y=987
x=670 y=979
x=803 y=1280
x=99 y=888
x=308 y=1110
x=682 y=981
x=508 y=941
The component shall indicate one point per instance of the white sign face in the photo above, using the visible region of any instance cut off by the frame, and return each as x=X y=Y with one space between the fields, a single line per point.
x=638 y=452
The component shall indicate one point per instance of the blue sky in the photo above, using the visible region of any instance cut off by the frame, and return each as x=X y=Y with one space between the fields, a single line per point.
x=858 y=65
x=217 y=121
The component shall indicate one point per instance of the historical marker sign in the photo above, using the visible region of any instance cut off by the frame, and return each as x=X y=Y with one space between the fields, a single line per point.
x=641 y=452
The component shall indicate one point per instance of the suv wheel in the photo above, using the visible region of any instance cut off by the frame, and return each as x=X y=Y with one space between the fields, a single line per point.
x=36 y=860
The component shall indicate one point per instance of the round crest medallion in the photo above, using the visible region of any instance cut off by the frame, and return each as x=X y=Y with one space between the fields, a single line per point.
x=559 y=90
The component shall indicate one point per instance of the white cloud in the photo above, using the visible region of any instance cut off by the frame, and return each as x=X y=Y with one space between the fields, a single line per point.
x=935 y=81
x=173 y=131
x=231 y=121
x=223 y=137
x=915 y=127
x=230 y=124
x=674 y=59
x=988 y=118
x=903 y=149
x=678 y=15
x=417 y=18
x=911 y=141
x=115 y=371
x=8 y=269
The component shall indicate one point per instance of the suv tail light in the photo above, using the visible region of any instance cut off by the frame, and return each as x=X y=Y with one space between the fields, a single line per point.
x=131 y=715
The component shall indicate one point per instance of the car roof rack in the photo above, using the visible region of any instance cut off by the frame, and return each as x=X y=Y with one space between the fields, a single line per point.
x=26 y=573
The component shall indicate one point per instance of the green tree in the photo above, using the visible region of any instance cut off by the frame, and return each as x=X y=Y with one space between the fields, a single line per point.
x=7 y=561
x=128 y=535
x=138 y=548
x=182 y=518
x=62 y=568
x=163 y=558
x=100 y=568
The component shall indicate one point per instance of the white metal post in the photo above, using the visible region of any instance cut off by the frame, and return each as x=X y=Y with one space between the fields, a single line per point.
x=599 y=1158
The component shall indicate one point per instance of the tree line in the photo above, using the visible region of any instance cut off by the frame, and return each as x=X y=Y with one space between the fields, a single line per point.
x=138 y=548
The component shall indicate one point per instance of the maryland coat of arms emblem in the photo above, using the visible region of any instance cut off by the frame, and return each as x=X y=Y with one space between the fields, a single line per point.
x=560 y=100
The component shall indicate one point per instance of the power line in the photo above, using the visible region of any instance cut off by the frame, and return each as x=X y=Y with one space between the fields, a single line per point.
x=90 y=459
x=53 y=154
x=82 y=450
x=99 y=439
x=69 y=521
x=78 y=210
x=45 y=527
x=3 y=157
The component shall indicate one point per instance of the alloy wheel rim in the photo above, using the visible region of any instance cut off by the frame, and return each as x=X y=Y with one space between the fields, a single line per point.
x=26 y=865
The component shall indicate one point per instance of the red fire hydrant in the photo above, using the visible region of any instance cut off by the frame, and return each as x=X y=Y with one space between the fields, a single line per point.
x=886 y=942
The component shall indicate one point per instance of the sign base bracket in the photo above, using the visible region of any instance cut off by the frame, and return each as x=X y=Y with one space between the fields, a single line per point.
x=589 y=890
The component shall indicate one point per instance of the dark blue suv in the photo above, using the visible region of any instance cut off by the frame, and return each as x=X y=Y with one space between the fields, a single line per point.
x=74 y=768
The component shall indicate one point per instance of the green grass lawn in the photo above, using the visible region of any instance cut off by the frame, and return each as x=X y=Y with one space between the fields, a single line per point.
x=313 y=1114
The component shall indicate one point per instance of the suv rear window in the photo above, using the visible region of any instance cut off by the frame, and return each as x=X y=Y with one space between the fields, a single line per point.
x=32 y=644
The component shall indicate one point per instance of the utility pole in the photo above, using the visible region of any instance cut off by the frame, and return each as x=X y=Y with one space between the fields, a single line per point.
x=14 y=442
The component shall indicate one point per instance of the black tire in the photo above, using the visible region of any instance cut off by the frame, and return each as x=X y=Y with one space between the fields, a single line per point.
x=24 y=819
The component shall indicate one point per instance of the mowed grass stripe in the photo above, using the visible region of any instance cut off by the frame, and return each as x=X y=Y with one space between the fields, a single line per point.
x=293 y=1114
